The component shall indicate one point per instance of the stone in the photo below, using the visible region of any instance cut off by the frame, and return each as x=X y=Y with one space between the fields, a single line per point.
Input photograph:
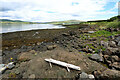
x=84 y=75
x=115 y=58
x=103 y=43
x=26 y=56
x=91 y=31
x=32 y=51
x=96 y=57
x=110 y=51
x=32 y=76
x=91 y=76
x=65 y=34
x=112 y=44
x=38 y=43
x=108 y=74
x=107 y=59
x=118 y=44
x=51 y=47
x=17 y=72
x=116 y=65
x=117 y=39
x=10 y=65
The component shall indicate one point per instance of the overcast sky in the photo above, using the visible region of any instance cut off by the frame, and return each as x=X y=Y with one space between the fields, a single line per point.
x=58 y=10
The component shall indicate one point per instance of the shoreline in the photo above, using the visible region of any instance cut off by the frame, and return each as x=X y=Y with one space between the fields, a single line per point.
x=12 y=40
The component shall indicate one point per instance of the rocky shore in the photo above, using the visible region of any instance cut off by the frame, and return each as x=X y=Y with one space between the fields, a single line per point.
x=95 y=51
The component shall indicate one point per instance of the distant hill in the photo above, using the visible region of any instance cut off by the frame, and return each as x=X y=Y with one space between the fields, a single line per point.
x=3 y=20
x=16 y=21
x=68 y=22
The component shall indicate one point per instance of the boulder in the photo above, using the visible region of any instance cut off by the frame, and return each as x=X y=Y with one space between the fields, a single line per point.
x=96 y=57
x=25 y=56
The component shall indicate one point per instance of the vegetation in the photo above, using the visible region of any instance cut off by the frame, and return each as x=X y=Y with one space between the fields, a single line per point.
x=68 y=22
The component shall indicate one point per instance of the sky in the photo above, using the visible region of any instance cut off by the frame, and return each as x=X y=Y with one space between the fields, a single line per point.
x=58 y=10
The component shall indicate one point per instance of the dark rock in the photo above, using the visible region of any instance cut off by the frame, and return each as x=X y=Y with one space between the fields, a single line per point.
x=96 y=57
x=107 y=59
x=111 y=37
x=72 y=33
x=65 y=34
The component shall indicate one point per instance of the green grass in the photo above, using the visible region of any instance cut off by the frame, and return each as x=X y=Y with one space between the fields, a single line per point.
x=101 y=33
x=114 y=24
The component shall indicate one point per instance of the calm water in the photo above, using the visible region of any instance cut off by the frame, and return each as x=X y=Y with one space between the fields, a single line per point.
x=24 y=27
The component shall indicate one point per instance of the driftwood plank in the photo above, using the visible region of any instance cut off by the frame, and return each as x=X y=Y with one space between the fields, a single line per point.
x=63 y=64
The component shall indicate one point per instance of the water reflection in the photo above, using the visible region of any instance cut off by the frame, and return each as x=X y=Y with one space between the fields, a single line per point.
x=23 y=27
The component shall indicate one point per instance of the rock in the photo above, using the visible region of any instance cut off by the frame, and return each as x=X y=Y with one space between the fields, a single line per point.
x=91 y=77
x=116 y=65
x=72 y=33
x=17 y=72
x=26 y=56
x=32 y=51
x=112 y=44
x=103 y=43
x=65 y=34
x=107 y=75
x=110 y=51
x=117 y=39
x=115 y=58
x=51 y=47
x=84 y=75
x=96 y=57
x=10 y=65
x=118 y=44
x=32 y=76
x=91 y=31
x=107 y=59
x=38 y=43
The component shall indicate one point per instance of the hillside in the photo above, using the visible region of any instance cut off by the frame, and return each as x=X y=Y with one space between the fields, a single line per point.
x=16 y=21
x=68 y=22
